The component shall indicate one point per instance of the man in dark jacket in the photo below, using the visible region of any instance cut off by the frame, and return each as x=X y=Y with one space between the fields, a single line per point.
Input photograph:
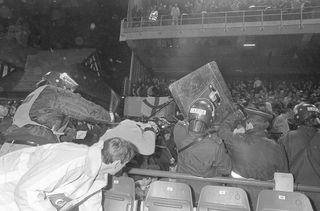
x=200 y=154
x=253 y=155
x=303 y=149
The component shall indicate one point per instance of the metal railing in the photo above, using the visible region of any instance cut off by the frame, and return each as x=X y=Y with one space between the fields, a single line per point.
x=242 y=16
x=222 y=180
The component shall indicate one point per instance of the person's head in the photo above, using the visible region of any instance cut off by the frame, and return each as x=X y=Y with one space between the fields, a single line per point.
x=132 y=132
x=257 y=119
x=201 y=114
x=61 y=80
x=4 y=111
x=306 y=114
x=116 y=153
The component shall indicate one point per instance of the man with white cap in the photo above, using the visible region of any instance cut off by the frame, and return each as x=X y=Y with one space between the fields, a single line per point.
x=68 y=176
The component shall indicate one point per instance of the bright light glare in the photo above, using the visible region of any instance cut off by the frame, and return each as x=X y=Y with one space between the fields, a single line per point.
x=249 y=45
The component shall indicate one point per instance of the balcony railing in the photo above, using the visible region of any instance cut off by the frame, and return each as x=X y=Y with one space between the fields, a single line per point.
x=243 y=16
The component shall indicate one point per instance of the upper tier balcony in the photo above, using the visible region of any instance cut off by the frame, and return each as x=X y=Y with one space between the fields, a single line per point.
x=230 y=23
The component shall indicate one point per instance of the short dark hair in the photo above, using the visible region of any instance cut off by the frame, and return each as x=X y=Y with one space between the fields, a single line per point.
x=258 y=121
x=117 y=149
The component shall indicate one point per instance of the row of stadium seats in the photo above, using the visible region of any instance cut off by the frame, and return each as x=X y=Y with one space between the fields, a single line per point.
x=171 y=196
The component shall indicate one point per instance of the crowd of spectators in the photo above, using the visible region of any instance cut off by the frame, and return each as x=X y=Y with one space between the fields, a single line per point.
x=151 y=87
x=8 y=108
x=281 y=94
x=7 y=111
x=144 y=8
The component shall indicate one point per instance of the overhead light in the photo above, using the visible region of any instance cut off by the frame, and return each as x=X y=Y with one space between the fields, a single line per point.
x=249 y=45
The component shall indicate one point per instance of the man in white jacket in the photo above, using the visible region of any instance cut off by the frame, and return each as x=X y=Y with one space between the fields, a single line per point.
x=63 y=176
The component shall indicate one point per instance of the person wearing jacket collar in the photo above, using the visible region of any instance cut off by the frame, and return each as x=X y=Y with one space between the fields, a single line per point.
x=253 y=154
x=63 y=176
x=200 y=153
x=303 y=148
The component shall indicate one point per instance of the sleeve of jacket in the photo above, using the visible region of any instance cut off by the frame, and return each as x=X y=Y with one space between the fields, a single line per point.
x=282 y=160
x=225 y=131
x=180 y=132
x=224 y=164
x=31 y=193
x=93 y=203
x=77 y=107
x=313 y=151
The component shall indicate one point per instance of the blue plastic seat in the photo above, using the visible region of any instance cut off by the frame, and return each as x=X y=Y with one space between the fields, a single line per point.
x=121 y=195
x=168 y=196
x=222 y=198
x=269 y=200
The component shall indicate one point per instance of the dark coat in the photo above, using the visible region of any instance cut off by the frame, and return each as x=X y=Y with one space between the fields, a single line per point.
x=253 y=154
x=303 y=152
x=208 y=158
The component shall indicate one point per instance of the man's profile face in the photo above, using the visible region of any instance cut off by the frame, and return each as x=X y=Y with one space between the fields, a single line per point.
x=3 y=111
x=115 y=167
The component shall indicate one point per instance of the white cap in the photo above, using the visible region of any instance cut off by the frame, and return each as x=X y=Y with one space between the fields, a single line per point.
x=133 y=132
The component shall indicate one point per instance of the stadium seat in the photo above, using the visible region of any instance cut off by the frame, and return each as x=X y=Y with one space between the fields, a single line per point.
x=269 y=200
x=222 y=198
x=121 y=195
x=168 y=196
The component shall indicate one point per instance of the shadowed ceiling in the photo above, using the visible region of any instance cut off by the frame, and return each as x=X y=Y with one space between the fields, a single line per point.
x=272 y=54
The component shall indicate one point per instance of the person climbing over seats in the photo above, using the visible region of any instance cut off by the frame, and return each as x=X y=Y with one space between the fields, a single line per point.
x=68 y=176
x=44 y=114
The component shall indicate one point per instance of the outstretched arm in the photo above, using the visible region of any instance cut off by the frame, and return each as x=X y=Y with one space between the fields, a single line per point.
x=77 y=107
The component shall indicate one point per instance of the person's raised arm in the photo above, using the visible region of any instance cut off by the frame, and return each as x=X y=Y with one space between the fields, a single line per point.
x=225 y=131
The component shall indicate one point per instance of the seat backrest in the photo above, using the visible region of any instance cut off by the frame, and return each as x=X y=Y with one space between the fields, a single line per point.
x=223 y=198
x=168 y=196
x=270 y=200
x=121 y=195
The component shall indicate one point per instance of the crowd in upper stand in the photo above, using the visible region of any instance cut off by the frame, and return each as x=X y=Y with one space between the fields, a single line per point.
x=145 y=8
